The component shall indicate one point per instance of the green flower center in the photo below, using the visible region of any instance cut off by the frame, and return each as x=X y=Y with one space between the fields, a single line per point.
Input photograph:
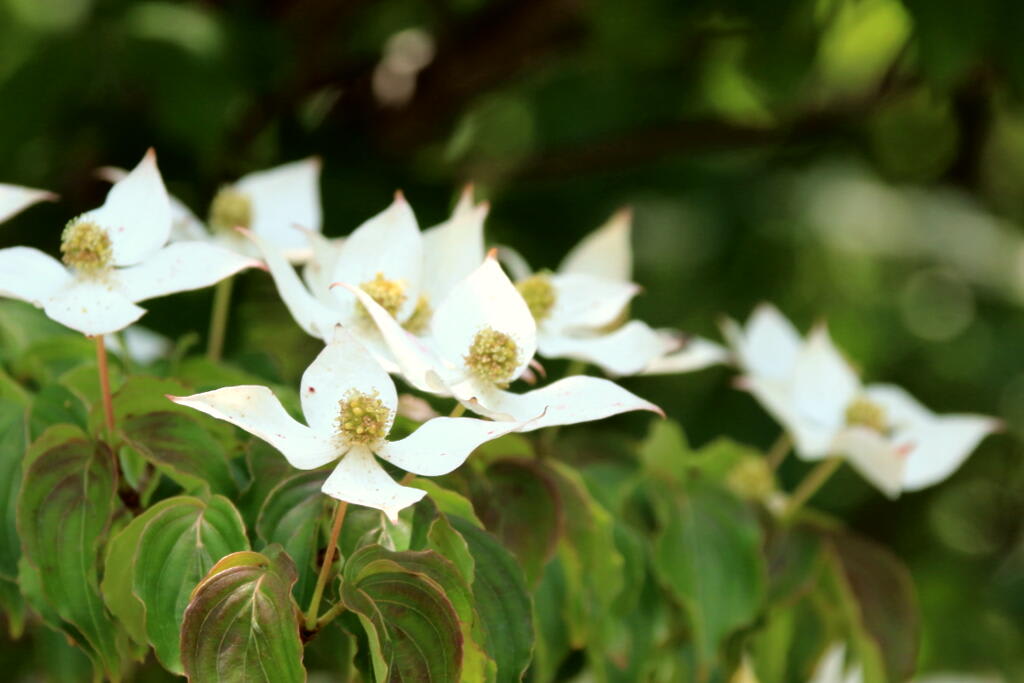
x=539 y=294
x=863 y=412
x=390 y=294
x=230 y=209
x=420 y=318
x=751 y=478
x=493 y=356
x=85 y=247
x=363 y=419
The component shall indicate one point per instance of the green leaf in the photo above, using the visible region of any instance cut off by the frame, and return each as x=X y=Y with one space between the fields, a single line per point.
x=178 y=446
x=502 y=602
x=22 y=324
x=519 y=502
x=12 y=451
x=177 y=547
x=49 y=358
x=241 y=623
x=413 y=628
x=67 y=500
x=53 y=405
x=447 y=501
x=708 y=555
x=664 y=452
x=291 y=516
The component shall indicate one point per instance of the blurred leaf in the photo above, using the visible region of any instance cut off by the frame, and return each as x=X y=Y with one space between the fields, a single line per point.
x=21 y=325
x=55 y=405
x=67 y=499
x=291 y=516
x=241 y=623
x=794 y=555
x=449 y=502
x=12 y=451
x=176 y=548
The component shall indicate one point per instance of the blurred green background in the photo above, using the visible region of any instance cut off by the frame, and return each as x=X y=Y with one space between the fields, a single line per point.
x=860 y=161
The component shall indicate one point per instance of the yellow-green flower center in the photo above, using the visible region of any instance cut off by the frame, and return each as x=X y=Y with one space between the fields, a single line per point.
x=230 y=209
x=493 y=356
x=420 y=318
x=363 y=419
x=751 y=478
x=390 y=294
x=863 y=412
x=539 y=294
x=85 y=247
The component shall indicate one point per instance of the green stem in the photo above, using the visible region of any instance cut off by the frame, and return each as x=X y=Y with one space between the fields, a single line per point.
x=814 y=480
x=219 y=318
x=779 y=450
x=576 y=367
x=330 y=615
x=457 y=411
x=325 y=568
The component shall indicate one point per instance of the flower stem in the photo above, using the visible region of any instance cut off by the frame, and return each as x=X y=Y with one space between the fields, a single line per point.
x=325 y=568
x=330 y=615
x=457 y=411
x=219 y=318
x=101 y=365
x=779 y=450
x=810 y=485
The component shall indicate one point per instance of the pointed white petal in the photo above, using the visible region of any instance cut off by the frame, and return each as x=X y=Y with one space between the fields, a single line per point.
x=624 y=351
x=15 y=198
x=812 y=440
x=453 y=249
x=939 y=446
x=587 y=302
x=696 y=354
x=185 y=225
x=360 y=479
x=30 y=275
x=874 y=455
x=92 y=307
x=768 y=346
x=824 y=384
x=442 y=444
x=256 y=410
x=390 y=244
x=568 y=401
x=485 y=299
x=136 y=213
x=342 y=367
x=318 y=270
x=284 y=196
x=312 y=316
x=180 y=267
x=415 y=360
x=606 y=252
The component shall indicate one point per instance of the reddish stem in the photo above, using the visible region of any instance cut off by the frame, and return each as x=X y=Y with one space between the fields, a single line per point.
x=108 y=404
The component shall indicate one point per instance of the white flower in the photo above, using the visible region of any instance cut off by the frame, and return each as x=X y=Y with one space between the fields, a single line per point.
x=349 y=403
x=114 y=257
x=579 y=309
x=482 y=336
x=832 y=667
x=14 y=199
x=141 y=344
x=892 y=440
x=403 y=270
x=269 y=203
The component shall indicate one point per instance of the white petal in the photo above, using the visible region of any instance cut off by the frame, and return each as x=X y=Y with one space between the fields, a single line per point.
x=830 y=666
x=256 y=410
x=185 y=225
x=487 y=298
x=343 y=366
x=453 y=249
x=136 y=213
x=939 y=446
x=318 y=270
x=14 y=199
x=768 y=346
x=587 y=302
x=696 y=354
x=415 y=360
x=282 y=197
x=812 y=440
x=180 y=267
x=606 y=252
x=823 y=383
x=568 y=401
x=624 y=351
x=902 y=411
x=360 y=479
x=442 y=444
x=92 y=307
x=312 y=316
x=141 y=344
x=390 y=244
x=30 y=275
x=514 y=262
x=874 y=455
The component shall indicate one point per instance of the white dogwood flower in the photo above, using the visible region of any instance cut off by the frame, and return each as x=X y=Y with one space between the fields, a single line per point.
x=14 y=199
x=114 y=257
x=808 y=386
x=349 y=403
x=482 y=337
x=580 y=307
